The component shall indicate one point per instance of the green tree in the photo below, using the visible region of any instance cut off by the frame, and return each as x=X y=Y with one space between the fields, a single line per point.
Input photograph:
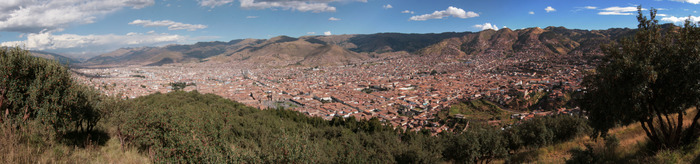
x=652 y=78
x=480 y=145
x=37 y=89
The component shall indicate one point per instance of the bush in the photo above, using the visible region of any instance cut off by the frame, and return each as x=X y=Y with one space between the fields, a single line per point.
x=475 y=145
x=543 y=131
x=37 y=89
x=181 y=127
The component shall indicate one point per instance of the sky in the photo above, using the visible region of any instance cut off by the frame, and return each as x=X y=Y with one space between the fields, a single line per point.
x=85 y=28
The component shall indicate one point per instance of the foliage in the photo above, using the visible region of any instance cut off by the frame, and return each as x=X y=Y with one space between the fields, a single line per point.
x=480 y=109
x=191 y=127
x=178 y=85
x=649 y=79
x=37 y=89
x=543 y=131
x=475 y=146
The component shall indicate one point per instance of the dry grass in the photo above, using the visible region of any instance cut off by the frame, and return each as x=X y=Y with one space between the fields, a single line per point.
x=23 y=146
x=632 y=147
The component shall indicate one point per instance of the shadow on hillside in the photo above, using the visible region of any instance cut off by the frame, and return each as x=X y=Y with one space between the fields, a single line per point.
x=82 y=139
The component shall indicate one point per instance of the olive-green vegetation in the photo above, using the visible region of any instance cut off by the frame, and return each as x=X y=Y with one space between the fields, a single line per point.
x=473 y=107
x=43 y=107
x=193 y=127
x=50 y=118
x=545 y=131
x=479 y=110
x=651 y=79
x=178 y=85
x=39 y=90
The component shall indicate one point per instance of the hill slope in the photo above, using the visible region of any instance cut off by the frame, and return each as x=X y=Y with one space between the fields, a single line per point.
x=345 y=49
x=530 y=42
x=53 y=56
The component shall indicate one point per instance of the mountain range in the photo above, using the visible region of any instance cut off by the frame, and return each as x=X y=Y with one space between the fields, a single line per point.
x=284 y=51
x=54 y=56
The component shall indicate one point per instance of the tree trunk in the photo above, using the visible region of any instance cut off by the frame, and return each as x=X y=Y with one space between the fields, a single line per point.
x=690 y=133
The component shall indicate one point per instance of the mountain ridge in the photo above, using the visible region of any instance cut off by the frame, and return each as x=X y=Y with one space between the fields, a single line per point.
x=322 y=50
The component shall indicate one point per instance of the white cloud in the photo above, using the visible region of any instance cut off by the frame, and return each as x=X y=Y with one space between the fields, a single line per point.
x=661 y=15
x=387 y=6
x=689 y=1
x=680 y=19
x=93 y=43
x=486 y=26
x=450 y=11
x=333 y=19
x=327 y=33
x=310 y=33
x=407 y=12
x=170 y=24
x=213 y=3
x=251 y=17
x=297 y=5
x=34 y=16
x=615 y=10
x=531 y=13
x=550 y=9
x=590 y=7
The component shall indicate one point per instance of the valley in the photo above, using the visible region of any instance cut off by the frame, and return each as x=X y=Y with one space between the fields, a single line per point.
x=406 y=88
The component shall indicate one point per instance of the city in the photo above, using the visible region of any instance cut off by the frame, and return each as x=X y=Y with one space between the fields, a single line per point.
x=405 y=91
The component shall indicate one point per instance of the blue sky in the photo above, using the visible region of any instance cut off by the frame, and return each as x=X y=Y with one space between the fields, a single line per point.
x=90 y=27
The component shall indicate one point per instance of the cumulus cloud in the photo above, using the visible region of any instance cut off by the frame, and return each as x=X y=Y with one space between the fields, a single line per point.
x=32 y=16
x=550 y=9
x=327 y=33
x=689 y=1
x=170 y=24
x=615 y=10
x=407 y=12
x=387 y=6
x=93 y=43
x=531 y=13
x=450 y=11
x=486 y=26
x=333 y=19
x=680 y=19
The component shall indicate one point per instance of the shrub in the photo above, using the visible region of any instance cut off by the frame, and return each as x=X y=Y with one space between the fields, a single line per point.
x=37 y=89
x=475 y=146
x=543 y=131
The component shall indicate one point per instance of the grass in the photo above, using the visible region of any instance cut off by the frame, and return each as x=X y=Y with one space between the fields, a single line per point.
x=479 y=109
x=633 y=148
x=26 y=146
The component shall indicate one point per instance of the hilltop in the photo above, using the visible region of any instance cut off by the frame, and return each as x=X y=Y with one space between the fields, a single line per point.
x=285 y=51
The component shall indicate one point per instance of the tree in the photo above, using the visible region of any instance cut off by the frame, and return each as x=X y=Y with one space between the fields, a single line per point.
x=480 y=145
x=33 y=88
x=652 y=78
